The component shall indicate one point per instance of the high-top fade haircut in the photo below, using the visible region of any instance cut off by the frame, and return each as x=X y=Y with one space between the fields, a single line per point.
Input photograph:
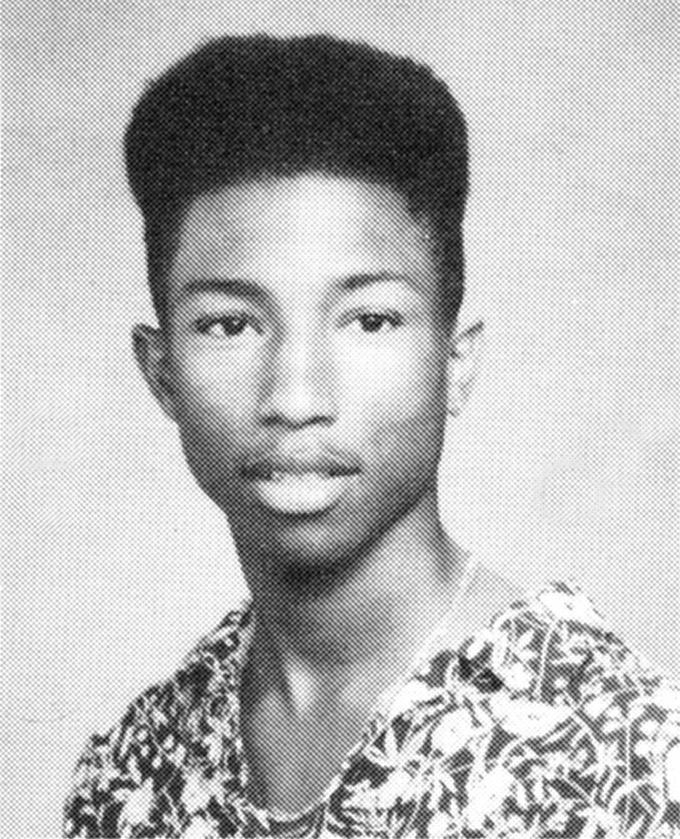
x=251 y=107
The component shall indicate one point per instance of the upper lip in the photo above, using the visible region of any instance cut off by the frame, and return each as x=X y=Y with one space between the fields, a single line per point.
x=300 y=462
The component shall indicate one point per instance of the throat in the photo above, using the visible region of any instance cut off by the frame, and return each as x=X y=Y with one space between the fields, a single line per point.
x=338 y=654
x=292 y=759
x=317 y=667
x=374 y=605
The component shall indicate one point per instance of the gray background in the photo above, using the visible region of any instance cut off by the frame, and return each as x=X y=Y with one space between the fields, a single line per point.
x=563 y=465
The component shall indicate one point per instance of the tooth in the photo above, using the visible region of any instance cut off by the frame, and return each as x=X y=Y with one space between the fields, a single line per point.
x=281 y=476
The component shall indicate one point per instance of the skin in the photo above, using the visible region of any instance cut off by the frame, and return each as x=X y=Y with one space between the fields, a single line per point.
x=304 y=315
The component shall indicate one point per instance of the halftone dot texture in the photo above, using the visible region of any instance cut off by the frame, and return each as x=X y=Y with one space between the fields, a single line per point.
x=563 y=465
x=541 y=723
x=256 y=106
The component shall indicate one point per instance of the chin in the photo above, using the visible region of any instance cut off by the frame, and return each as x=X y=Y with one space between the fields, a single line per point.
x=308 y=548
x=328 y=545
x=331 y=548
x=312 y=543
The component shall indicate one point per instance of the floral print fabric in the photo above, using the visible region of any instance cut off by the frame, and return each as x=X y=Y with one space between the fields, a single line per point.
x=542 y=724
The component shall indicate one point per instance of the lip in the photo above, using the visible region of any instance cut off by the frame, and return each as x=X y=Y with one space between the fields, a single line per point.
x=301 y=482
x=268 y=466
x=302 y=493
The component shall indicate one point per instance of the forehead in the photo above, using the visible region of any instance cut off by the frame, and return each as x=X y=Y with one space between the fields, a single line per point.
x=310 y=229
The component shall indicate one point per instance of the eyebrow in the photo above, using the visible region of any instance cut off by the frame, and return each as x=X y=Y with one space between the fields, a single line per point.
x=228 y=286
x=355 y=281
x=248 y=289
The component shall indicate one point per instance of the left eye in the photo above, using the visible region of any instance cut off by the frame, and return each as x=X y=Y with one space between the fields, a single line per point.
x=228 y=326
x=377 y=322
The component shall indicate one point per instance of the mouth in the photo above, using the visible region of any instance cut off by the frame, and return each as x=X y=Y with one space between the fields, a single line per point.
x=300 y=485
x=298 y=473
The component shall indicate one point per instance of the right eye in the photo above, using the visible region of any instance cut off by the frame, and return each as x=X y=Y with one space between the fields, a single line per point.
x=225 y=326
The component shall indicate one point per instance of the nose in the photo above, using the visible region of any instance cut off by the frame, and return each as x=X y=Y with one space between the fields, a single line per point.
x=299 y=384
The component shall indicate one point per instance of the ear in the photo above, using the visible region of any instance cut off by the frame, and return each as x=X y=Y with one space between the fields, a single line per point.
x=464 y=358
x=150 y=348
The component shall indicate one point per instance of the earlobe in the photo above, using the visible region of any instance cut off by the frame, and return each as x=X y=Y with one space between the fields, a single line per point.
x=150 y=353
x=464 y=359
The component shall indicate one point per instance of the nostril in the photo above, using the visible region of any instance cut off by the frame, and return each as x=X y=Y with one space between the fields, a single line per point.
x=285 y=420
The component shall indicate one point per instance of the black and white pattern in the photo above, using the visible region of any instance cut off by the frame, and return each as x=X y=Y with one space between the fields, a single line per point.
x=542 y=724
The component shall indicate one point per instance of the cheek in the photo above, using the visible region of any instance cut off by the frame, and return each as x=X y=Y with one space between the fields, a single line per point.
x=212 y=411
x=401 y=400
x=209 y=390
x=407 y=376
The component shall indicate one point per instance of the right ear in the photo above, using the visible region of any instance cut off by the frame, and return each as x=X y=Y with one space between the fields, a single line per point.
x=150 y=349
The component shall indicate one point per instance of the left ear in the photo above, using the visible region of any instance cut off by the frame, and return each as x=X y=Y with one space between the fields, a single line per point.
x=464 y=356
x=151 y=353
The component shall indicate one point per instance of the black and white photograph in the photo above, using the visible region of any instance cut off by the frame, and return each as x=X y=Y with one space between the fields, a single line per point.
x=340 y=419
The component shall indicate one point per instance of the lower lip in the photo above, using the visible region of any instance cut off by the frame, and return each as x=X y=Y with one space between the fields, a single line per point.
x=302 y=494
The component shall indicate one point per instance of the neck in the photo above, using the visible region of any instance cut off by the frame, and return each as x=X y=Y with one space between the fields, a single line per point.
x=373 y=618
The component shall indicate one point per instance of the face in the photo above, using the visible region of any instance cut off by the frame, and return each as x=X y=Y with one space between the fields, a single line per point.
x=305 y=361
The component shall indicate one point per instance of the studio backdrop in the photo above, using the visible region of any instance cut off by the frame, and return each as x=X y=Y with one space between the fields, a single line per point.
x=562 y=466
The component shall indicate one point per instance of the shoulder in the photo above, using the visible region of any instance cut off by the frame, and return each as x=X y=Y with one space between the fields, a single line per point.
x=164 y=731
x=554 y=644
x=588 y=726
x=542 y=723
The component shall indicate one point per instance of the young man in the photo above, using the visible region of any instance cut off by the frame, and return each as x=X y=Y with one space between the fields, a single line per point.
x=303 y=201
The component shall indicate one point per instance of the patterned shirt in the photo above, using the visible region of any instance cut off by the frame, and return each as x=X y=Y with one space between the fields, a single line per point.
x=542 y=724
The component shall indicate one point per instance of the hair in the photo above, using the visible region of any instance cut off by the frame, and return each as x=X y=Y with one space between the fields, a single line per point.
x=247 y=107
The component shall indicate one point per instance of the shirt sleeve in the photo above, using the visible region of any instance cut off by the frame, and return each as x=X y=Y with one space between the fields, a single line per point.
x=586 y=740
x=612 y=769
x=118 y=774
x=94 y=803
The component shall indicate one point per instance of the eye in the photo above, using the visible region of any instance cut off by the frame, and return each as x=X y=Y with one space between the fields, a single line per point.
x=378 y=321
x=225 y=326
